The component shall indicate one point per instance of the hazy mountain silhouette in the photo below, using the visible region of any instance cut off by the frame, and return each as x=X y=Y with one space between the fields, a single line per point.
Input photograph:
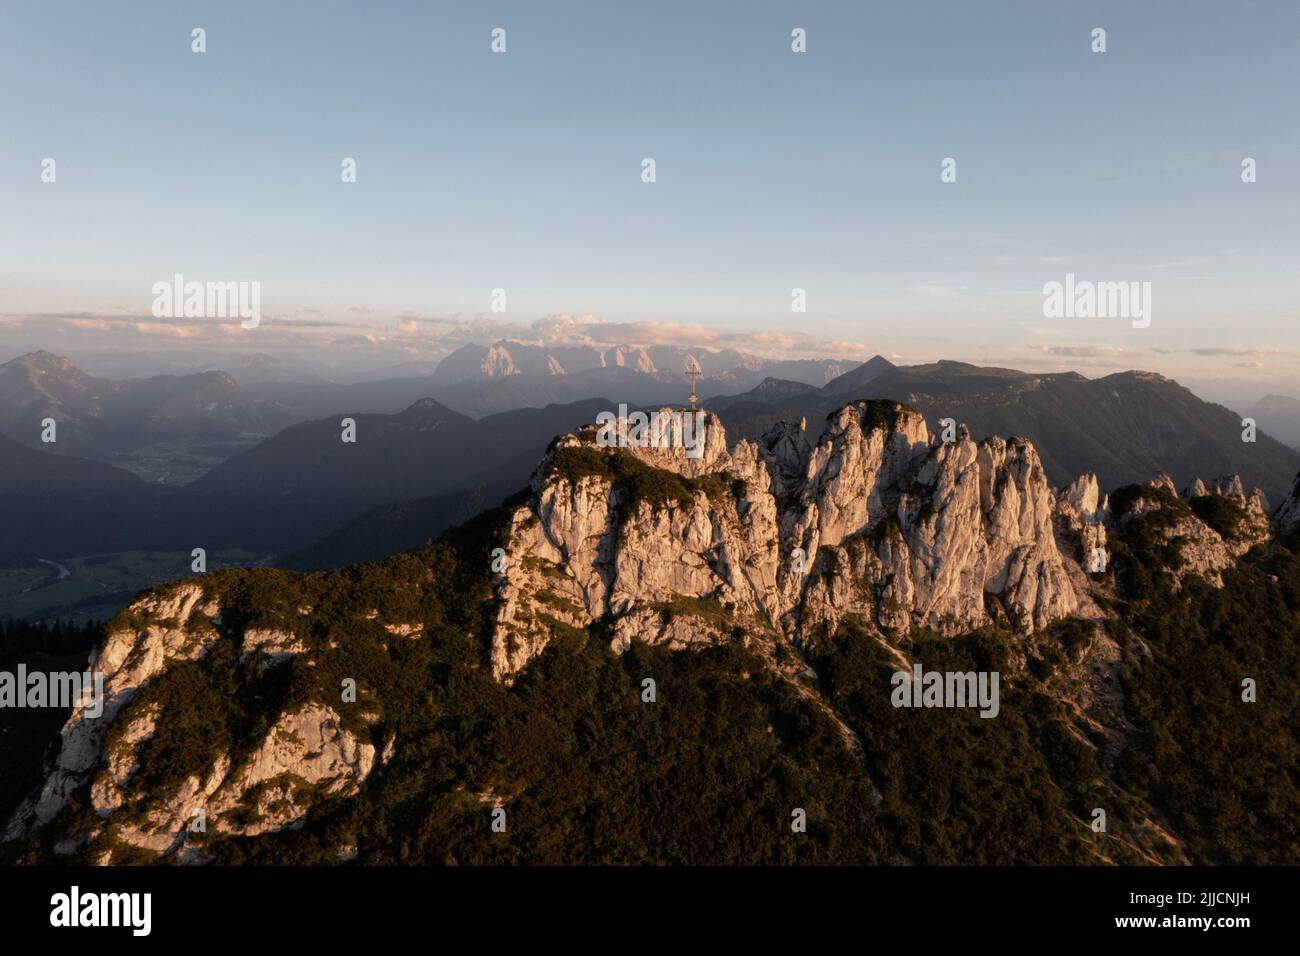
x=307 y=495
x=55 y=505
x=1125 y=426
x=1279 y=415
x=293 y=488
x=98 y=417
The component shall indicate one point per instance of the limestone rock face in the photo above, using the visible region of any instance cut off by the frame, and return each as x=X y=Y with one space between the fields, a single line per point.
x=306 y=748
x=106 y=794
x=1200 y=549
x=1254 y=526
x=876 y=518
x=684 y=442
x=277 y=646
x=1287 y=516
x=1207 y=527
x=306 y=753
x=676 y=632
x=178 y=629
x=498 y=363
x=1080 y=520
x=1163 y=482
x=1196 y=548
x=1082 y=499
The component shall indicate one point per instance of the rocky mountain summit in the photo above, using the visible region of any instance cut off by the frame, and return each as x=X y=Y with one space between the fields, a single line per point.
x=876 y=517
x=222 y=698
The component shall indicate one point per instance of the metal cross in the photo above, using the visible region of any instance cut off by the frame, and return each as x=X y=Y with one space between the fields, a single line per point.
x=693 y=370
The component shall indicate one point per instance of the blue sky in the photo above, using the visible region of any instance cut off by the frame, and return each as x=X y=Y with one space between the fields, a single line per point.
x=775 y=170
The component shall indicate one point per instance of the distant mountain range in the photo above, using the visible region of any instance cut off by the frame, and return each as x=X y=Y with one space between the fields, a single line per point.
x=1279 y=415
x=99 y=417
x=107 y=419
x=1124 y=427
x=317 y=502
x=53 y=505
x=111 y=420
x=479 y=380
x=505 y=359
x=291 y=489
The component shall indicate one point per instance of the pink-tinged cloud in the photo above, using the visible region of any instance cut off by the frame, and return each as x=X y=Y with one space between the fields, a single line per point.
x=1080 y=351
x=168 y=330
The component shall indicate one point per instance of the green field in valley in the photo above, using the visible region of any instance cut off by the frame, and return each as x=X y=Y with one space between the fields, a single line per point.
x=98 y=586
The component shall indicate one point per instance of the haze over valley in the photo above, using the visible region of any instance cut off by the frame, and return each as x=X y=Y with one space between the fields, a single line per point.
x=146 y=469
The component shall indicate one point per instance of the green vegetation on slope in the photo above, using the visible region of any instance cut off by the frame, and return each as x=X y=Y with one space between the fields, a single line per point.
x=710 y=772
x=638 y=480
x=1225 y=773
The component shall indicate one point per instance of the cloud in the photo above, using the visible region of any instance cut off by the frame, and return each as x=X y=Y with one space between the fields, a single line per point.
x=377 y=339
x=170 y=330
x=143 y=320
x=1219 y=351
x=1081 y=351
x=596 y=332
x=1253 y=353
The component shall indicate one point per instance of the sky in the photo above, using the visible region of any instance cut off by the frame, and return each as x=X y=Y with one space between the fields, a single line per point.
x=775 y=170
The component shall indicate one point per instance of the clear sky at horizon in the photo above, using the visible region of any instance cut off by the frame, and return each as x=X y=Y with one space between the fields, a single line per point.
x=774 y=170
